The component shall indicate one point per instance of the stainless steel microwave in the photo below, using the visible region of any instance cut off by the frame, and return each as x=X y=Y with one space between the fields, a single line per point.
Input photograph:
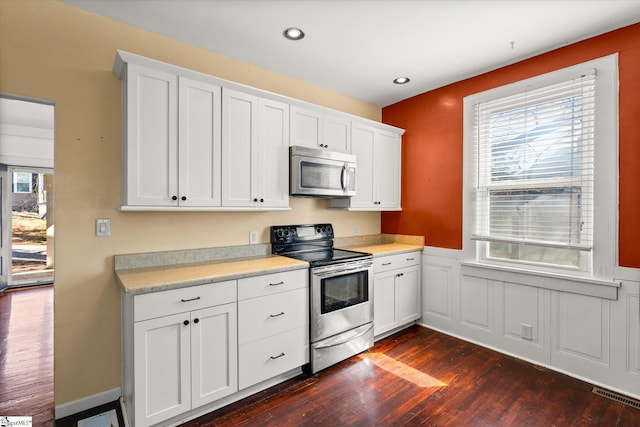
x=319 y=173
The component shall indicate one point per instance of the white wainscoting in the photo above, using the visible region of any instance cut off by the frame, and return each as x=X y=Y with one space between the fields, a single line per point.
x=596 y=339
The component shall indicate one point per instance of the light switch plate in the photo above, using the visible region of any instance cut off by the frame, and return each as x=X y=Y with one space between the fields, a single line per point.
x=103 y=227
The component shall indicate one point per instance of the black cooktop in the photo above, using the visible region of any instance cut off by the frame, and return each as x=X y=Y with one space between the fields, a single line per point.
x=312 y=243
x=319 y=258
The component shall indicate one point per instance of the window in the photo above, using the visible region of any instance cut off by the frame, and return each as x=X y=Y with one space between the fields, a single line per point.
x=22 y=182
x=540 y=180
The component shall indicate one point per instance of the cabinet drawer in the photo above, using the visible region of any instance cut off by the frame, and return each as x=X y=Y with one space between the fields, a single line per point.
x=164 y=303
x=269 y=284
x=266 y=358
x=392 y=262
x=272 y=314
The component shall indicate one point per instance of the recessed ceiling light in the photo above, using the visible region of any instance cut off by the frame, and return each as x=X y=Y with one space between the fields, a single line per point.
x=401 y=80
x=293 y=33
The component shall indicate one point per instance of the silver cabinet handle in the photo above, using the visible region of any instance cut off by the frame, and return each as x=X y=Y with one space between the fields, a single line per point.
x=386 y=263
x=276 y=357
x=277 y=315
x=276 y=284
x=410 y=259
x=190 y=299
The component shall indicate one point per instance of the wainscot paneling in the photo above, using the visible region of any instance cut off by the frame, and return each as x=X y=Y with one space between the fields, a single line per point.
x=581 y=325
x=524 y=307
x=440 y=289
x=593 y=338
x=633 y=335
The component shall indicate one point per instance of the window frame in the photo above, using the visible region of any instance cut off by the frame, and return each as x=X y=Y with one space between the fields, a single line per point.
x=15 y=182
x=601 y=260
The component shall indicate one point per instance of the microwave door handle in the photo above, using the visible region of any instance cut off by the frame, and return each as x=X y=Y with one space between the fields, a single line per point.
x=344 y=178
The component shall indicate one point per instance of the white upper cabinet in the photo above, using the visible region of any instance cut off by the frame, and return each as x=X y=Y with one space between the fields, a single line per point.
x=238 y=148
x=255 y=143
x=172 y=140
x=199 y=147
x=317 y=128
x=191 y=141
x=273 y=154
x=150 y=150
x=378 y=157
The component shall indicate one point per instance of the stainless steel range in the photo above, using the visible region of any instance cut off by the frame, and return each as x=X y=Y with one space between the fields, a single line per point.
x=341 y=293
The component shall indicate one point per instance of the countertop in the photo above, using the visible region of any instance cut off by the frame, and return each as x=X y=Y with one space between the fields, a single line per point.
x=386 y=248
x=164 y=271
x=152 y=279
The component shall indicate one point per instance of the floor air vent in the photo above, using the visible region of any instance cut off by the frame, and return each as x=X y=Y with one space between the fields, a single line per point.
x=617 y=397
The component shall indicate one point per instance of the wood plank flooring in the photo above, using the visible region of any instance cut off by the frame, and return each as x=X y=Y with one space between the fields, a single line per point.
x=422 y=377
x=416 y=377
x=26 y=354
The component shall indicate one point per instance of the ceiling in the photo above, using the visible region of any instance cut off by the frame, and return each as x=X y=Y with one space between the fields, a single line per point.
x=358 y=47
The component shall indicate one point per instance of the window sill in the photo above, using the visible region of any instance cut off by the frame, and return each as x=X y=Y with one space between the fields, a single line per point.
x=607 y=289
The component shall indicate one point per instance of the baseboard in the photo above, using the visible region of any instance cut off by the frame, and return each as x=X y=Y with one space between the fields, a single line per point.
x=88 y=402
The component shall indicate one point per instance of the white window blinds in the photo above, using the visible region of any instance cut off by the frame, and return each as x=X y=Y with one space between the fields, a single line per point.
x=534 y=156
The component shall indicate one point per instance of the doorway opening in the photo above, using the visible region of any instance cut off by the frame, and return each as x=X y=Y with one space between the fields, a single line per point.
x=32 y=227
x=27 y=192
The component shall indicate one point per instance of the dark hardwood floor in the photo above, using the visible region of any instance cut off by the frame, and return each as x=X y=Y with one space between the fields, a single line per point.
x=422 y=377
x=26 y=354
x=416 y=377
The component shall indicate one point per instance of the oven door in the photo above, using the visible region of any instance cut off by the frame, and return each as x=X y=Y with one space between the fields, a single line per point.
x=341 y=298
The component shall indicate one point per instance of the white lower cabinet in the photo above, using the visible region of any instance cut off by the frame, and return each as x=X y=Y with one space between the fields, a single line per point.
x=186 y=348
x=273 y=325
x=187 y=359
x=396 y=291
x=184 y=361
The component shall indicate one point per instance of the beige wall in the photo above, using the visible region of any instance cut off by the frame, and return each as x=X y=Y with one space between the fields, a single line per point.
x=52 y=51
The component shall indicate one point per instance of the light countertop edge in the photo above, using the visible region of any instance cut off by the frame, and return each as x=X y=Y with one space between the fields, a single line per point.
x=136 y=281
x=154 y=279
x=379 y=250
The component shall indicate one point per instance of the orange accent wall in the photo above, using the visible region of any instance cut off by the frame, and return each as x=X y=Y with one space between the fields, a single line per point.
x=432 y=143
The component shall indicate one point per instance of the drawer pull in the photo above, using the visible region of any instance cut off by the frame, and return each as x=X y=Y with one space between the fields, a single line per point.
x=276 y=284
x=410 y=259
x=276 y=315
x=276 y=357
x=190 y=299
x=386 y=263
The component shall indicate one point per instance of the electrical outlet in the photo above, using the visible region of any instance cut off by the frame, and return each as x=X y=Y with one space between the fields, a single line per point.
x=103 y=227
x=253 y=237
x=526 y=331
x=356 y=230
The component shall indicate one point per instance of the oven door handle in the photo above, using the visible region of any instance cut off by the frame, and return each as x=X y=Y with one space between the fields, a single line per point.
x=345 y=337
x=342 y=270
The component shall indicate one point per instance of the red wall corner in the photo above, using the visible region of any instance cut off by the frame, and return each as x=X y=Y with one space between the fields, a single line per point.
x=432 y=144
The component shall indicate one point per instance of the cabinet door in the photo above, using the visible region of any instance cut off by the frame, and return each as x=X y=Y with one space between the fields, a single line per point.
x=408 y=295
x=162 y=368
x=306 y=127
x=214 y=353
x=273 y=154
x=151 y=152
x=337 y=133
x=199 y=143
x=386 y=166
x=239 y=126
x=384 y=302
x=362 y=142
